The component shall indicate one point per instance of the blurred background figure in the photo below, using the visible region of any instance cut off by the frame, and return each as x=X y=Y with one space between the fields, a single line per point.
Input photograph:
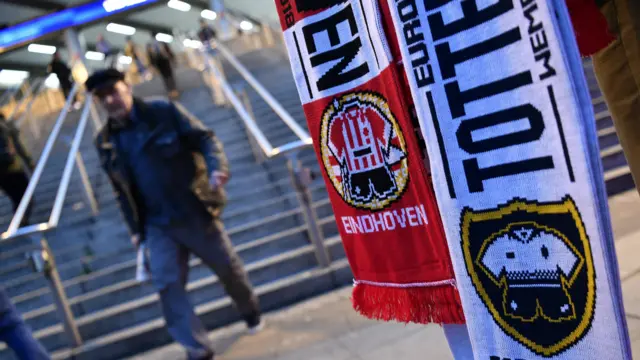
x=160 y=59
x=131 y=50
x=16 y=166
x=58 y=67
x=16 y=334
x=169 y=52
x=206 y=32
x=110 y=53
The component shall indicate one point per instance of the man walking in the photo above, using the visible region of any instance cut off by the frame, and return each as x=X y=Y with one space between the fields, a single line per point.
x=110 y=53
x=206 y=32
x=63 y=73
x=161 y=60
x=168 y=172
x=131 y=50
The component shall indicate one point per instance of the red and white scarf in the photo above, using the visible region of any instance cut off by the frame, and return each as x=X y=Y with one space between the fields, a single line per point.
x=359 y=117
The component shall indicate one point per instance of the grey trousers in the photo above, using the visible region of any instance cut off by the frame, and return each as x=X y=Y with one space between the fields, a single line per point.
x=169 y=249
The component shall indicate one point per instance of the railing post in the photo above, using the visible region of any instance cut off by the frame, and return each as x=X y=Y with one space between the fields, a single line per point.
x=35 y=128
x=23 y=100
x=246 y=40
x=283 y=43
x=95 y=118
x=25 y=88
x=244 y=97
x=267 y=34
x=44 y=99
x=26 y=116
x=52 y=100
x=193 y=59
x=59 y=295
x=301 y=178
x=86 y=184
x=13 y=103
x=216 y=84
x=257 y=40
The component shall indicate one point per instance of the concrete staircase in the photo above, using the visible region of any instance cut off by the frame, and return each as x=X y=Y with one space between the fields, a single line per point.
x=119 y=317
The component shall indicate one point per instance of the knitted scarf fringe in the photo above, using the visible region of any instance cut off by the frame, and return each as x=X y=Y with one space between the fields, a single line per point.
x=421 y=305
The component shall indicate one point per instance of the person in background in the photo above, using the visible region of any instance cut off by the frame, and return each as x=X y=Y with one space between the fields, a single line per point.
x=63 y=73
x=206 y=33
x=110 y=53
x=169 y=52
x=16 y=166
x=169 y=179
x=131 y=50
x=609 y=32
x=161 y=60
x=16 y=334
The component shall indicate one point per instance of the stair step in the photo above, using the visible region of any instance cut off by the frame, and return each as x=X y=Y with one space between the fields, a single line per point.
x=218 y=313
x=263 y=204
x=147 y=308
x=239 y=234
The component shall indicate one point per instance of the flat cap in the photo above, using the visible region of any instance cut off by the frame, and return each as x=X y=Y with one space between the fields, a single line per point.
x=102 y=78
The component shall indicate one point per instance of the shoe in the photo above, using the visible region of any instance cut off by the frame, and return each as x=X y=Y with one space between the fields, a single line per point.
x=255 y=324
x=253 y=330
x=209 y=355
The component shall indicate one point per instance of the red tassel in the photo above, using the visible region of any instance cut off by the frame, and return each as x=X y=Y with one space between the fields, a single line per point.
x=422 y=305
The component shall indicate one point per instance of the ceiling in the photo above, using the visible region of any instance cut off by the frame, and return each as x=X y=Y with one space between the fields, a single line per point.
x=157 y=18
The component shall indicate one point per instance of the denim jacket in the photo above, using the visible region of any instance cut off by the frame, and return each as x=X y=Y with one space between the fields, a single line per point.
x=190 y=149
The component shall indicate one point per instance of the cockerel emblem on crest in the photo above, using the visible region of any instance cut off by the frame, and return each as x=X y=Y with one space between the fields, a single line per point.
x=530 y=263
x=363 y=151
x=534 y=265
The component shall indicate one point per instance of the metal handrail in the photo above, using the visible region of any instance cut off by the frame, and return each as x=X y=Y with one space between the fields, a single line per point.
x=14 y=231
x=56 y=211
x=266 y=96
x=300 y=176
x=34 y=95
x=11 y=93
x=250 y=124
x=25 y=97
x=43 y=259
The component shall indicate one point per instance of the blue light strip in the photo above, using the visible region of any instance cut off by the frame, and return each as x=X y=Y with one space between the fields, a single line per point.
x=31 y=30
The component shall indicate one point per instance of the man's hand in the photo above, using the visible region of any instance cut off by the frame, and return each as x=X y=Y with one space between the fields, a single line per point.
x=218 y=179
x=135 y=240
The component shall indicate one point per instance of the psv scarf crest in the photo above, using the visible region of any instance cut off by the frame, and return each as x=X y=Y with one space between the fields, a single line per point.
x=364 y=152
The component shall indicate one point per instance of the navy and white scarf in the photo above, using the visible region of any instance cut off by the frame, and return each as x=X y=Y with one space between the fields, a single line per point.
x=510 y=132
